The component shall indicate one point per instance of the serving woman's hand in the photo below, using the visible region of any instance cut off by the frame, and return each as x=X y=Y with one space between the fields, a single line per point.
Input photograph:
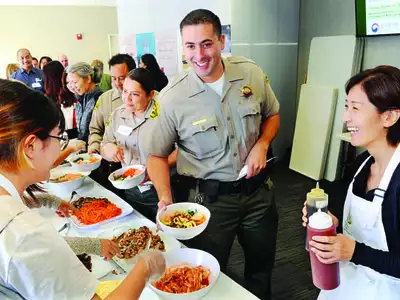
x=76 y=145
x=154 y=262
x=331 y=249
x=112 y=152
x=108 y=249
x=65 y=209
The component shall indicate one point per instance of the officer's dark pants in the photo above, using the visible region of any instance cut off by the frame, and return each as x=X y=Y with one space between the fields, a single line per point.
x=146 y=203
x=254 y=219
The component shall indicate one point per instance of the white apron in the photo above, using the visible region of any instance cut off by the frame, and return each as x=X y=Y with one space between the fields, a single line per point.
x=362 y=221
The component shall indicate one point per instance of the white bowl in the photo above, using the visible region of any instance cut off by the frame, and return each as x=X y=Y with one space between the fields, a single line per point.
x=128 y=183
x=65 y=188
x=193 y=257
x=183 y=233
x=85 y=167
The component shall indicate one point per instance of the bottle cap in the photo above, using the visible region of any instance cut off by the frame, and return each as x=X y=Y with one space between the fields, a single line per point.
x=320 y=220
x=317 y=194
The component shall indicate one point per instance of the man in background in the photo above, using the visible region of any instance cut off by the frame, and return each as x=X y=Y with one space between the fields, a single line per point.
x=63 y=60
x=35 y=63
x=119 y=65
x=27 y=74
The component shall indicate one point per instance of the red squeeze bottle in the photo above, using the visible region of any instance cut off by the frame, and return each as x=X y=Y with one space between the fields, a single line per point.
x=325 y=276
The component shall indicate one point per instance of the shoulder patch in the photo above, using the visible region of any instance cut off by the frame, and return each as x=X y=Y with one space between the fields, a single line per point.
x=108 y=123
x=155 y=112
x=96 y=107
x=267 y=79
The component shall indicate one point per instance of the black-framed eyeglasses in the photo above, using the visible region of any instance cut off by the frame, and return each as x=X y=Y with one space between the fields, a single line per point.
x=63 y=138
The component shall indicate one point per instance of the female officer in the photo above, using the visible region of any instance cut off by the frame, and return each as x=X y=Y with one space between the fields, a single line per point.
x=369 y=249
x=127 y=125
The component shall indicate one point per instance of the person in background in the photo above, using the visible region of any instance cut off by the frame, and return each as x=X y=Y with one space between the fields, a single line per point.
x=223 y=116
x=43 y=61
x=149 y=62
x=105 y=79
x=55 y=88
x=369 y=248
x=63 y=59
x=33 y=254
x=119 y=66
x=35 y=63
x=82 y=80
x=27 y=74
x=11 y=69
x=128 y=124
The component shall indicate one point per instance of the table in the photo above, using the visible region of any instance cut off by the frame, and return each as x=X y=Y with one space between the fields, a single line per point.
x=224 y=288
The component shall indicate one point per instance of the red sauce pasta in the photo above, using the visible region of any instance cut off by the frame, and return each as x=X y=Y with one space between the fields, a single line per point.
x=184 y=279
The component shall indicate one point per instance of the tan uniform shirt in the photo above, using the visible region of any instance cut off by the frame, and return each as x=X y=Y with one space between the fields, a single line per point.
x=214 y=134
x=105 y=105
x=127 y=130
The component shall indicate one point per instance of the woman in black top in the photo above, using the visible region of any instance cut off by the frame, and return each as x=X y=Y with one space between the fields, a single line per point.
x=369 y=249
x=149 y=62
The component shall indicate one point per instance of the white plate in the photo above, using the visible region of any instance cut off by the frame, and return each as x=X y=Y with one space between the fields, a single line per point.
x=128 y=264
x=100 y=267
x=101 y=193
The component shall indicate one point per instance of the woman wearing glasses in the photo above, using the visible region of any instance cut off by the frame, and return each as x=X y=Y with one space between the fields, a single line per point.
x=36 y=262
x=126 y=128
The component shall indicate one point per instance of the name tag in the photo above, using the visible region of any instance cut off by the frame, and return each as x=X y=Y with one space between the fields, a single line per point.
x=38 y=79
x=199 y=122
x=36 y=85
x=124 y=130
x=145 y=187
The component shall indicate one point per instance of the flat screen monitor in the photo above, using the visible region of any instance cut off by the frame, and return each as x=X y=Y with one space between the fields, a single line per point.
x=377 y=17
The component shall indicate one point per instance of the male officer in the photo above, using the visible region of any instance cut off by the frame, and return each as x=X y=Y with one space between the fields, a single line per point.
x=27 y=74
x=223 y=115
x=120 y=65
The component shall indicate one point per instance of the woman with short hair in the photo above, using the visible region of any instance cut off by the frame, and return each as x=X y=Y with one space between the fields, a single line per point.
x=82 y=80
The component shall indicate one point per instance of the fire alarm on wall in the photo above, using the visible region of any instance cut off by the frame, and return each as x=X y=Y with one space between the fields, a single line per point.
x=79 y=36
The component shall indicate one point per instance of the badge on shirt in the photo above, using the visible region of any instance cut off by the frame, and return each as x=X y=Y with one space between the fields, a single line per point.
x=38 y=79
x=246 y=90
x=124 y=130
x=36 y=85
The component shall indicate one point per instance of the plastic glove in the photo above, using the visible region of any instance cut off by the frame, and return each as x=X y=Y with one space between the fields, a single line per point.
x=155 y=264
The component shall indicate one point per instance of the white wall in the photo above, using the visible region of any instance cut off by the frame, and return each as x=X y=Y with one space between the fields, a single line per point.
x=50 y=30
x=267 y=32
x=140 y=16
x=337 y=17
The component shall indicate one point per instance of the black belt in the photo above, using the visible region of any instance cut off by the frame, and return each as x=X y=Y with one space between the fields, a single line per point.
x=212 y=187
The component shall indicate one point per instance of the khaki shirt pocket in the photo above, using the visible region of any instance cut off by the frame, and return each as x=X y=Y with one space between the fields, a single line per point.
x=250 y=115
x=206 y=136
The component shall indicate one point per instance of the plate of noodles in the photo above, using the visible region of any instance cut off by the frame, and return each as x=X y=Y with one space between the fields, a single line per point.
x=184 y=220
x=190 y=274
x=95 y=211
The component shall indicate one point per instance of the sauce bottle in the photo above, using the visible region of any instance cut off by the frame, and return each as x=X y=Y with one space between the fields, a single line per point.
x=316 y=199
x=325 y=276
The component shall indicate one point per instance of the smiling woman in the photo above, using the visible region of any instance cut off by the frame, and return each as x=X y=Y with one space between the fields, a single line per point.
x=369 y=247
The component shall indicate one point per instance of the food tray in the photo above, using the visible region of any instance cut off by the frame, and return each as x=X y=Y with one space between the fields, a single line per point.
x=92 y=191
x=128 y=264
